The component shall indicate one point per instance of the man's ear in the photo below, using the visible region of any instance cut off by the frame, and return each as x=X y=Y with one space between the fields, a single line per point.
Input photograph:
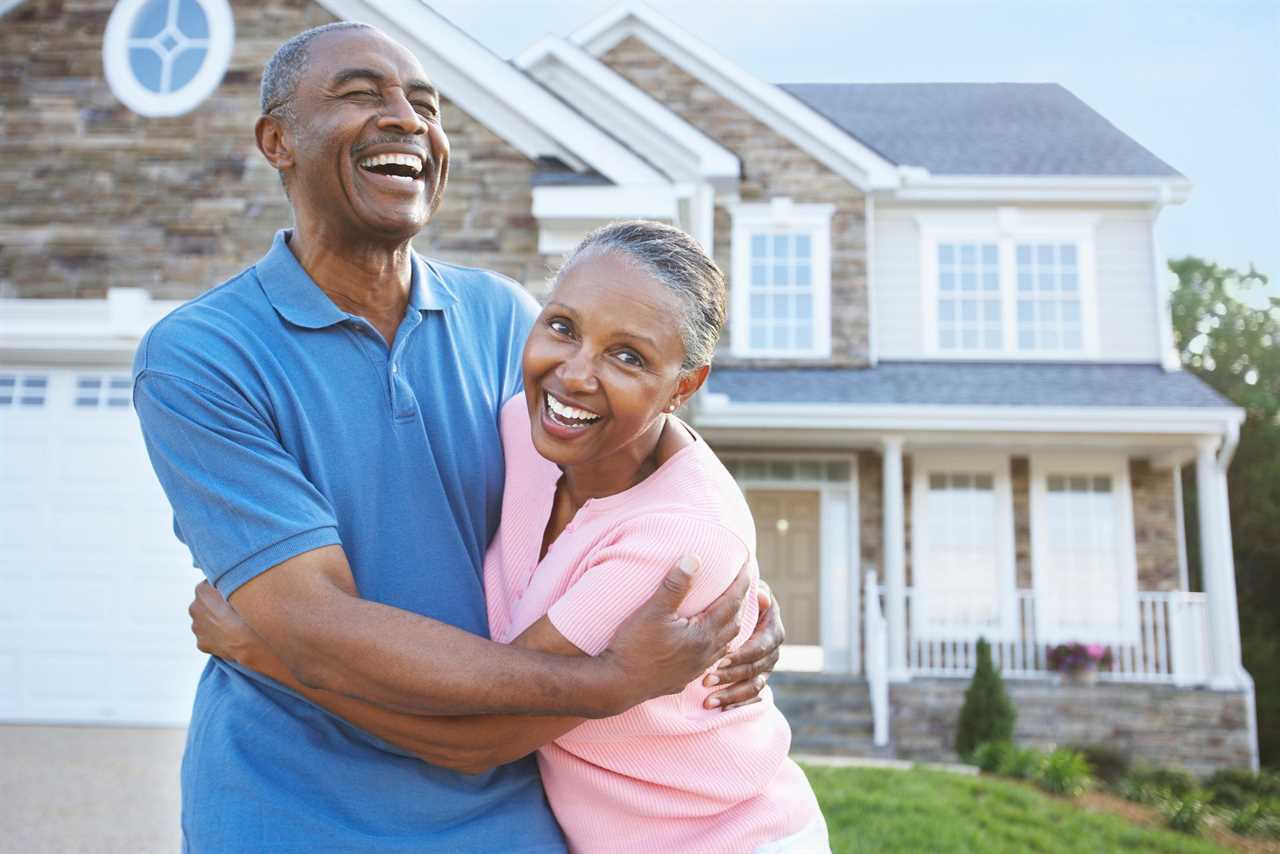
x=687 y=385
x=275 y=142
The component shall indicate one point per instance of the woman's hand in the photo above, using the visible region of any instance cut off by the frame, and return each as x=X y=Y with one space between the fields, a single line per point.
x=745 y=672
x=219 y=630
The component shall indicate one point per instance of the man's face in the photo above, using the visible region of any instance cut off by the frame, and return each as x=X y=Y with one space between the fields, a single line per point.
x=370 y=158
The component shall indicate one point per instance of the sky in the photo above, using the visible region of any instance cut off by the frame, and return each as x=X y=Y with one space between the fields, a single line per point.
x=1197 y=83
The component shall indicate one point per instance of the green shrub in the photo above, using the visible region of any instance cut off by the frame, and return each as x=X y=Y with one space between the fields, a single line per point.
x=991 y=756
x=987 y=714
x=1023 y=764
x=1258 y=818
x=1236 y=787
x=1064 y=772
x=1147 y=785
x=1109 y=764
x=1185 y=813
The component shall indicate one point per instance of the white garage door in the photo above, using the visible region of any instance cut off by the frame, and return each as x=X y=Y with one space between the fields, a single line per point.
x=94 y=586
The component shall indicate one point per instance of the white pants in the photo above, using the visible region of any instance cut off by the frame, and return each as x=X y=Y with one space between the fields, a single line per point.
x=811 y=839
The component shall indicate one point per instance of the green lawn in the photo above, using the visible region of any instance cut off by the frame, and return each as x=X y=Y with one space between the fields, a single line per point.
x=876 y=810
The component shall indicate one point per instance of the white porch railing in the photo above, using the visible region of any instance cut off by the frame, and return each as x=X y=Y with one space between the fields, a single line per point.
x=877 y=661
x=1171 y=645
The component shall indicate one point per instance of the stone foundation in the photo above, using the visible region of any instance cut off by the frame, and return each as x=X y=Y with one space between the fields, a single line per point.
x=1193 y=728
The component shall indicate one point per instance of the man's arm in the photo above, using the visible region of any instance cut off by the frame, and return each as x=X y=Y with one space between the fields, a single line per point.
x=470 y=744
x=307 y=611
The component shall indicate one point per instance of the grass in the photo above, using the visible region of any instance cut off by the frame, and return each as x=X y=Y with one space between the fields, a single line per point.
x=876 y=810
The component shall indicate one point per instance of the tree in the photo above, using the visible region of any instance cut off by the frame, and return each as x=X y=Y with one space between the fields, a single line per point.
x=987 y=714
x=1228 y=334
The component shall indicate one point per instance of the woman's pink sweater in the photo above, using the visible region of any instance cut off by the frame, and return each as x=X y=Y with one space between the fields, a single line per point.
x=668 y=775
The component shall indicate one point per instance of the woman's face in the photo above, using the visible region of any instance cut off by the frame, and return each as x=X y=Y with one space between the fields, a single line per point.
x=603 y=361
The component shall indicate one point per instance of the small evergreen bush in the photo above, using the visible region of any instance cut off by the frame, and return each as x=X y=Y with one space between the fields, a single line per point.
x=987 y=714
x=991 y=756
x=1185 y=813
x=1064 y=772
x=1235 y=787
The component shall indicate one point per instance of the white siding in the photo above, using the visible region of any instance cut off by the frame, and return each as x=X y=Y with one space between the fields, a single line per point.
x=1128 y=329
x=1127 y=318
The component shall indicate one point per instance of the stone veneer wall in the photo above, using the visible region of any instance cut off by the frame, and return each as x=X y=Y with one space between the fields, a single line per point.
x=1155 y=526
x=97 y=196
x=772 y=166
x=1198 y=729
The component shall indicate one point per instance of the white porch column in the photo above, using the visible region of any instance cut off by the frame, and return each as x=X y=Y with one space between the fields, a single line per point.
x=1218 y=568
x=895 y=558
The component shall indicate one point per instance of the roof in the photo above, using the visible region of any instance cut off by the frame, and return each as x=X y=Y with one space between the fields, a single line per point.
x=969 y=384
x=982 y=128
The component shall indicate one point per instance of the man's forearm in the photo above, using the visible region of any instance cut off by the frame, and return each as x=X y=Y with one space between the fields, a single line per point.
x=410 y=663
x=470 y=744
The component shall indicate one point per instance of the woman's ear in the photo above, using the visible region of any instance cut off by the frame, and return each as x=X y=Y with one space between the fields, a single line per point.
x=686 y=386
x=274 y=142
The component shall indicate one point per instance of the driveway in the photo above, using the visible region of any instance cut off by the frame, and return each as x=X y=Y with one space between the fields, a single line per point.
x=96 y=790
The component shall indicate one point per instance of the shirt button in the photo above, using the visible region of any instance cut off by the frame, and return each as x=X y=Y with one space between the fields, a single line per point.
x=395 y=369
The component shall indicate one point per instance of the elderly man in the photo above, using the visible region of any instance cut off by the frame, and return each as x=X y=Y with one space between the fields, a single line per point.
x=325 y=426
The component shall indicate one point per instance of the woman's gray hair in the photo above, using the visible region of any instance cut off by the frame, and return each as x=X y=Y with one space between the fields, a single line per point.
x=677 y=261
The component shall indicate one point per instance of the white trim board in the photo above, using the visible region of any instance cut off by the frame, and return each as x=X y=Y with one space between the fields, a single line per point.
x=784 y=113
x=497 y=94
x=680 y=150
x=718 y=411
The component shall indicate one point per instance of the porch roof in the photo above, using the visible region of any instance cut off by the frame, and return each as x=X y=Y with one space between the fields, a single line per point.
x=1035 y=384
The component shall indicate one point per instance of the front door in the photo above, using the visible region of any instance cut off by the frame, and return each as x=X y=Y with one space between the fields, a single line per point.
x=788 y=541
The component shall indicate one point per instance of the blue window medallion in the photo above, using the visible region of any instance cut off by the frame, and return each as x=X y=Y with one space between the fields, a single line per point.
x=164 y=57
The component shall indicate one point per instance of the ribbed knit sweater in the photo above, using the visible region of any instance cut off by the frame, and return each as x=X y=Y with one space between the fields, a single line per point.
x=668 y=775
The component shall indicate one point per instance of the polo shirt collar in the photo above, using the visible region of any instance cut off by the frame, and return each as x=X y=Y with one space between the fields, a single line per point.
x=299 y=300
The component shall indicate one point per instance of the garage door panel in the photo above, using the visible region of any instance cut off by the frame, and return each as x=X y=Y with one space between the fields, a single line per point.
x=94 y=585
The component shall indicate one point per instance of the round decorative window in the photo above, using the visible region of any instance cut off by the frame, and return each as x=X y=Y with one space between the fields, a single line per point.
x=163 y=57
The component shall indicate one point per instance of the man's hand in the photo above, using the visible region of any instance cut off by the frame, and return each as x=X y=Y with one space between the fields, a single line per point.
x=219 y=630
x=658 y=652
x=746 y=670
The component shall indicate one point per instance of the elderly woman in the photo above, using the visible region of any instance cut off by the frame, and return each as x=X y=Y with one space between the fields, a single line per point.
x=606 y=488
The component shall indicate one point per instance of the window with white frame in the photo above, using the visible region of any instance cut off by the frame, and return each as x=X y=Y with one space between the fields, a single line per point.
x=1049 y=317
x=23 y=390
x=96 y=391
x=780 y=281
x=1083 y=560
x=969 y=297
x=1008 y=292
x=962 y=547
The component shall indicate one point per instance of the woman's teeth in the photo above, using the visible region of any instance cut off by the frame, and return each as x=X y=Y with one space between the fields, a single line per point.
x=569 y=416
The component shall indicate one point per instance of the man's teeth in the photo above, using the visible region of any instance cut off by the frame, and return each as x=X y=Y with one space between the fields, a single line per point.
x=572 y=412
x=412 y=161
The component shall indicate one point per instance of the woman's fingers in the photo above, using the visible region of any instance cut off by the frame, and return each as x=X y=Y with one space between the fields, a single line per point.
x=735 y=696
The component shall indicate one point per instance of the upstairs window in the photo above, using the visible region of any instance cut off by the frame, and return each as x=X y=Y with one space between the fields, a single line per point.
x=1049 y=298
x=969 y=297
x=103 y=392
x=780 y=281
x=1004 y=292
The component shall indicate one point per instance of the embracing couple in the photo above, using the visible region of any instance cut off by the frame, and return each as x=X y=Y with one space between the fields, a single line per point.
x=380 y=461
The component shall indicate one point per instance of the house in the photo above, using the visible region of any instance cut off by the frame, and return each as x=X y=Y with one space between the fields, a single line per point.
x=947 y=385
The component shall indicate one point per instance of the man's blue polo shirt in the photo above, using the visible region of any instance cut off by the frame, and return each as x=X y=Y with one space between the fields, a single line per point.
x=278 y=424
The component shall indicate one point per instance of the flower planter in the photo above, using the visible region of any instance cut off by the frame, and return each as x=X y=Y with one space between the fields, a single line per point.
x=1086 y=675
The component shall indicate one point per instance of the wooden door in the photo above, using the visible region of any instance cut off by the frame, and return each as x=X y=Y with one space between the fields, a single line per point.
x=788 y=546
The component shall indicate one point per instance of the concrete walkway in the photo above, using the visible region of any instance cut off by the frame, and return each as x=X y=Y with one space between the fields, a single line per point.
x=89 y=790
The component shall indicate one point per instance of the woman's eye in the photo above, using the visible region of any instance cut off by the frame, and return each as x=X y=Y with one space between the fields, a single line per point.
x=428 y=110
x=629 y=358
x=361 y=94
x=558 y=326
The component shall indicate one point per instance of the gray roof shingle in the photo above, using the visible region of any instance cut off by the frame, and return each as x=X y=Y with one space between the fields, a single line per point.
x=982 y=128
x=969 y=384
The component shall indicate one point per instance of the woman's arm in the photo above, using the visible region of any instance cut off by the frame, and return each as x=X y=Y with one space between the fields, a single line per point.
x=470 y=744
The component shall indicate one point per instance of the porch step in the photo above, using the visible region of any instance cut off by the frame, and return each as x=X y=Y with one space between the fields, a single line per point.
x=830 y=714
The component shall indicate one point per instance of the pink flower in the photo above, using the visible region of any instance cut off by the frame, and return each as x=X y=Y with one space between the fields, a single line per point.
x=1095 y=651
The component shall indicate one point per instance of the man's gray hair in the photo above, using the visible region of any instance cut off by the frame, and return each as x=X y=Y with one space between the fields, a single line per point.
x=287 y=66
x=677 y=261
